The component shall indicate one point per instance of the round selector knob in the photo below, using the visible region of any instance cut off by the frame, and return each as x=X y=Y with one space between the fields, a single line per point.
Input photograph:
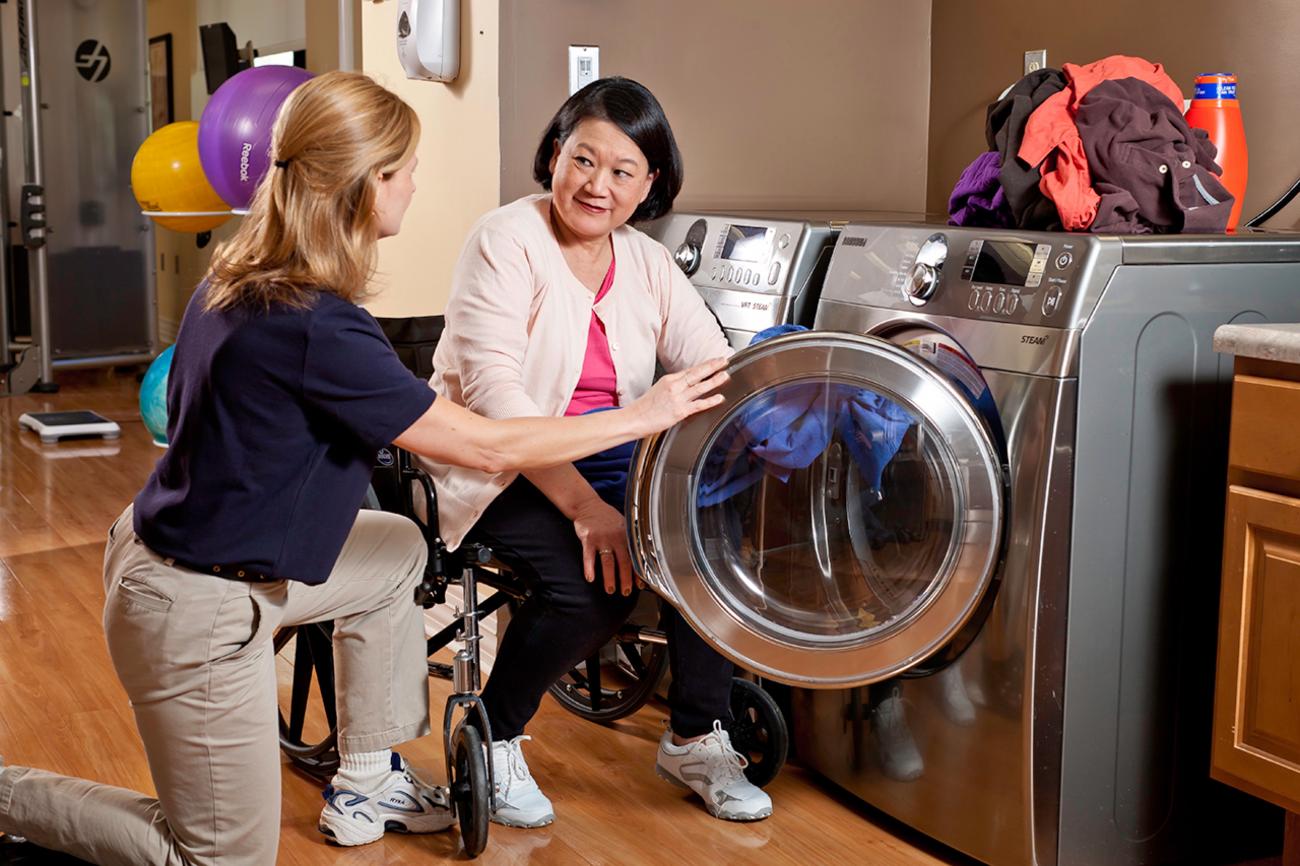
x=926 y=271
x=687 y=257
x=921 y=286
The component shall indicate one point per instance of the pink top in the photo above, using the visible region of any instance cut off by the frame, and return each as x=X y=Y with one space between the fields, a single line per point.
x=514 y=343
x=597 y=386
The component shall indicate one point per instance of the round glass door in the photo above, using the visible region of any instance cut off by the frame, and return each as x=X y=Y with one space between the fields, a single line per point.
x=834 y=522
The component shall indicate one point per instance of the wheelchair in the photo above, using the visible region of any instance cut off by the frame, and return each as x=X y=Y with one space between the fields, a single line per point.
x=614 y=683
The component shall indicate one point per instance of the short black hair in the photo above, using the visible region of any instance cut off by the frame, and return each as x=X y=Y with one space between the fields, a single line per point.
x=632 y=108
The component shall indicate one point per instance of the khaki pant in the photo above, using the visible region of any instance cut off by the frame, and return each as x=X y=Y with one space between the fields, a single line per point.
x=194 y=653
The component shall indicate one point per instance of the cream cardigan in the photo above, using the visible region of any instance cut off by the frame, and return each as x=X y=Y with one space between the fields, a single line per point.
x=517 y=326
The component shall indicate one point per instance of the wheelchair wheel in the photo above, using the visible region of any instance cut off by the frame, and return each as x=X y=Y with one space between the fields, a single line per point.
x=616 y=682
x=758 y=731
x=469 y=789
x=308 y=729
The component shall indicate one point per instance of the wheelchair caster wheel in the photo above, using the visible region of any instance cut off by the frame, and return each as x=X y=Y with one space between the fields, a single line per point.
x=470 y=796
x=758 y=731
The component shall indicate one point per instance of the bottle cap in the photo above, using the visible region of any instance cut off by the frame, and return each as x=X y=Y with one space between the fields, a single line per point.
x=1216 y=85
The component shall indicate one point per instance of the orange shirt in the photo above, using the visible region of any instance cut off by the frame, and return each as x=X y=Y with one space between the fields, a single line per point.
x=1052 y=139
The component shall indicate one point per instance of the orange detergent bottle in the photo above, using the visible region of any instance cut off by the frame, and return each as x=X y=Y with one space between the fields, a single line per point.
x=1215 y=109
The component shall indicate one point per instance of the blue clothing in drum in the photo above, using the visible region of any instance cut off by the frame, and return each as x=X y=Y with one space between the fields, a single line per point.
x=287 y=408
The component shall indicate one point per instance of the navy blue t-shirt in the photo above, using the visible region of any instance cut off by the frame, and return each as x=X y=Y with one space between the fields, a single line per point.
x=273 y=419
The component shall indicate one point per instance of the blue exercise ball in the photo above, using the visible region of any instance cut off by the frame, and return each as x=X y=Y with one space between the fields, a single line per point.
x=153 y=397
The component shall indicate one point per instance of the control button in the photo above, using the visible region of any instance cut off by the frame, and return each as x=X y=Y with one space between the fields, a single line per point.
x=749 y=276
x=713 y=274
x=922 y=283
x=1013 y=301
x=1000 y=302
x=687 y=257
x=756 y=279
x=1063 y=261
x=986 y=300
x=1051 y=300
x=774 y=274
x=974 y=299
x=967 y=273
x=784 y=241
x=1034 y=280
x=726 y=273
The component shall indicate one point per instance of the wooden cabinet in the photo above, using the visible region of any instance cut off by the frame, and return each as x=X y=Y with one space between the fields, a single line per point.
x=1257 y=690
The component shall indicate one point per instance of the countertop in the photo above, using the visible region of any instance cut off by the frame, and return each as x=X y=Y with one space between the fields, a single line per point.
x=1269 y=342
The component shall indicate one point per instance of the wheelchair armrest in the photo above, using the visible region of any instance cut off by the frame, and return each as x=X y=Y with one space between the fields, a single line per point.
x=409 y=485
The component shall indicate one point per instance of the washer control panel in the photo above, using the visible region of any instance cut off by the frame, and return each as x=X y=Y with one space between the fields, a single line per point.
x=754 y=271
x=994 y=274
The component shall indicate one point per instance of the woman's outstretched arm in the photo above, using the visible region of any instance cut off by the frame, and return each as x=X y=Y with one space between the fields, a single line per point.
x=450 y=433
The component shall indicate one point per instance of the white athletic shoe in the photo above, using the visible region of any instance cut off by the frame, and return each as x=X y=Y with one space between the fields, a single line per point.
x=403 y=804
x=715 y=771
x=899 y=757
x=517 y=801
x=956 y=701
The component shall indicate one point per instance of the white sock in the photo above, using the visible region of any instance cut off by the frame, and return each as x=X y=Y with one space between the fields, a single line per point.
x=363 y=772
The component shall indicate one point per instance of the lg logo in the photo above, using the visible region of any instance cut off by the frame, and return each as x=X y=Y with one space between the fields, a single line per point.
x=93 y=62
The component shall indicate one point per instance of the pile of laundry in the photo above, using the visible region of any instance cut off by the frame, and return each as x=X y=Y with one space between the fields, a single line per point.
x=1101 y=148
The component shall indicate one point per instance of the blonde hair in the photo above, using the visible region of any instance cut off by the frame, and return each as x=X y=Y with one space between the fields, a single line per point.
x=311 y=225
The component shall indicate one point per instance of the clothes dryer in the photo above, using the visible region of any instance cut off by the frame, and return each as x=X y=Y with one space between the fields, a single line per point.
x=978 y=510
x=753 y=270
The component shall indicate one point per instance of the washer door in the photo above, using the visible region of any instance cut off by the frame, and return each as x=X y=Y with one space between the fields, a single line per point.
x=834 y=522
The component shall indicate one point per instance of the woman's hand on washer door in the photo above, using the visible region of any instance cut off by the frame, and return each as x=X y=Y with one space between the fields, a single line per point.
x=678 y=396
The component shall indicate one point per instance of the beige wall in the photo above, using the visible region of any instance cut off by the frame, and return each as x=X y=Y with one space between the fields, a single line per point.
x=323 y=53
x=979 y=52
x=459 y=164
x=779 y=105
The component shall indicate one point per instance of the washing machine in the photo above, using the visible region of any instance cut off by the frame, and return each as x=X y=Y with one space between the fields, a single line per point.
x=754 y=270
x=975 y=516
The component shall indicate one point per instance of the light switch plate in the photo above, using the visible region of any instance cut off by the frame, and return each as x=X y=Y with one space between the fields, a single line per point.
x=584 y=66
x=1035 y=60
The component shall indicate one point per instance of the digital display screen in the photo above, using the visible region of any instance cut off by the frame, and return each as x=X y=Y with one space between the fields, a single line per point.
x=1005 y=263
x=745 y=243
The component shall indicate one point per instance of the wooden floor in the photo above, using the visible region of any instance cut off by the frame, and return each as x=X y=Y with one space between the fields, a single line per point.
x=62 y=709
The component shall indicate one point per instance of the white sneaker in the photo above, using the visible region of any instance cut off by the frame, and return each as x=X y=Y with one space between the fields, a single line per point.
x=899 y=757
x=715 y=771
x=517 y=801
x=956 y=701
x=403 y=804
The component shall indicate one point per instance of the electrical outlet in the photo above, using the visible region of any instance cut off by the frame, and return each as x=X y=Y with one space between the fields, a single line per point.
x=584 y=66
x=1035 y=60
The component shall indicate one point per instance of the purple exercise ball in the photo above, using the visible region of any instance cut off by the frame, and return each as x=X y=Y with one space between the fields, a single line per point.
x=235 y=129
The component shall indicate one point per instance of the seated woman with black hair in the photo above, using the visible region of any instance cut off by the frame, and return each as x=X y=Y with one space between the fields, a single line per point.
x=560 y=307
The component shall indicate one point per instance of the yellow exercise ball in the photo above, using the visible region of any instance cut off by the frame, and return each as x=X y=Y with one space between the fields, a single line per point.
x=166 y=176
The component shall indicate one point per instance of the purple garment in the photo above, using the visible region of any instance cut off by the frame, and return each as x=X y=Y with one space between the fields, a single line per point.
x=1154 y=173
x=978 y=199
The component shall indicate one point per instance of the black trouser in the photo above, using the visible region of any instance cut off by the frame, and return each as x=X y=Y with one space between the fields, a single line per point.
x=567 y=620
